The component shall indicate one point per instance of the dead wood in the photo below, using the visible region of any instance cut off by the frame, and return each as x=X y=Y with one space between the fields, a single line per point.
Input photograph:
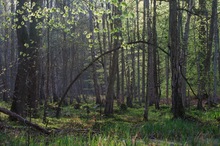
x=23 y=120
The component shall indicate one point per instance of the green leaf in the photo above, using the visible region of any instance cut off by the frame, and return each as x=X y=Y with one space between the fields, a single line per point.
x=22 y=23
x=88 y=35
x=26 y=45
x=96 y=30
x=124 y=4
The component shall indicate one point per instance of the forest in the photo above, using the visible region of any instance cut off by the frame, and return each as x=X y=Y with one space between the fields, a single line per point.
x=109 y=72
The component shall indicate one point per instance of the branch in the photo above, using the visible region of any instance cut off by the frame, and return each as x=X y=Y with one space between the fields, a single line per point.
x=93 y=61
x=194 y=13
x=190 y=12
x=23 y=120
x=187 y=81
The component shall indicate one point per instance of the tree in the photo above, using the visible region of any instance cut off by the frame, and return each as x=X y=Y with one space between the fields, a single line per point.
x=113 y=69
x=146 y=7
x=20 y=91
x=202 y=74
x=178 y=109
x=94 y=73
x=184 y=51
x=26 y=84
x=216 y=41
x=155 y=60
x=146 y=15
x=35 y=44
x=138 y=54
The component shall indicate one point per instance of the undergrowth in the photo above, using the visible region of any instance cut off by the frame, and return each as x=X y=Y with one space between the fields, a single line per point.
x=78 y=127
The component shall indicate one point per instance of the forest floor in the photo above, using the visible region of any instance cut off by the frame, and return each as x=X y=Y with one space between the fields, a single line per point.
x=78 y=127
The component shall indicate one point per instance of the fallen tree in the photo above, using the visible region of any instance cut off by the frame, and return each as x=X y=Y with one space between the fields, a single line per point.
x=23 y=120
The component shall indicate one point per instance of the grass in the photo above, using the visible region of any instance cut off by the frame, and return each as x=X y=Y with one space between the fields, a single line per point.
x=76 y=127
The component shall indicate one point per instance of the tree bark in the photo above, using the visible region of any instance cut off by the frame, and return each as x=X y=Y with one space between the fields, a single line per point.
x=104 y=41
x=20 y=91
x=146 y=97
x=94 y=73
x=156 y=71
x=184 y=52
x=201 y=56
x=113 y=70
x=150 y=71
x=178 y=109
x=216 y=42
x=146 y=4
x=33 y=75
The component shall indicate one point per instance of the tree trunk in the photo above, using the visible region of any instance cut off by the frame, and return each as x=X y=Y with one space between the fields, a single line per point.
x=178 y=109
x=156 y=72
x=167 y=77
x=130 y=82
x=151 y=83
x=138 y=56
x=19 y=100
x=47 y=91
x=94 y=73
x=104 y=41
x=201 y=56
x=216 y=42
x=113 y=70
x=184 y=52
x=123 y=76
x=144 y=63
x=146 y=97
x=33 y=76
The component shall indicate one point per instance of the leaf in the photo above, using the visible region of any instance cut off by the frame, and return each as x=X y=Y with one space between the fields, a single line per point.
x=124 y=4
x=22 y=23
x=88 y=35
x=96 y=30
x=26 y=45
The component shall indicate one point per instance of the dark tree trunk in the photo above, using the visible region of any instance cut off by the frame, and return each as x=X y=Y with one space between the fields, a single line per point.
x=178 y=109
x=151 y=71
x=130 y=79
x=110 y=92
x=146 y=4
x=104 y=41
x=94 y=73
x=19 y=100
x=184 y=53
x=33 y=76
x=113 y=70
x=202 y=53
x=216 y=56
x=47 y=91
x=212 y=30
x=155 y=74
